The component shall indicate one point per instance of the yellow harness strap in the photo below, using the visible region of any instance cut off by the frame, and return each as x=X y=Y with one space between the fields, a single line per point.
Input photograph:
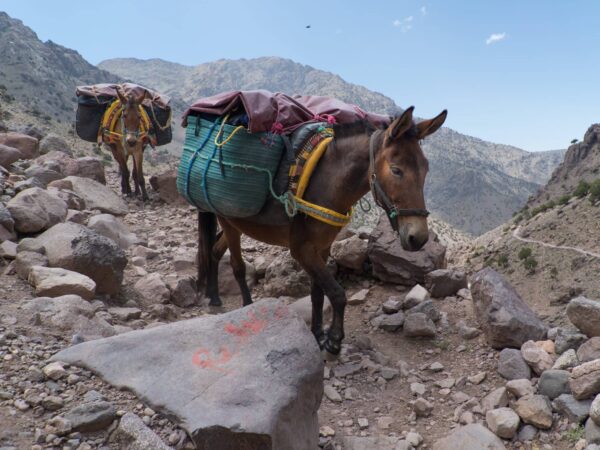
x=320 y=213
x=110 y=119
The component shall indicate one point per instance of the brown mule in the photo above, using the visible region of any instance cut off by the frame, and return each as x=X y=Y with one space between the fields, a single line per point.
x=130 y=142
x=390 y=162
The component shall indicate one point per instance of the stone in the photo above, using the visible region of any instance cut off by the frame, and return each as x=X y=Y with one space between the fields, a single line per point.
x=94 y=194
x=592 y=432
x=111 y=227
x=52 y=403
x=392 y=305
x=350 y=253
x=259 y=369
x=446 y=383
x=415 y=296
x=74 y=247
x=466 y=331
x=445 y=282
x=359 y=297
x=535 y=410
x=520 y=388
x=152 y=289
x=417 y=388
x=527 y=433
x=379 y=442
x=470 y=437
x=165 y=184
x=574 y=410
x=27 y=145
x=418 y=325
x=595 y=410
x=183 y=292
x=24 y=261
x=553 y=383
x=566 y=339
x=503 y=422
x=43 y=174
x=133 y=434
x=59 y=425
x=567 y=360
x=285 y=277
x=584 y=313
x=363 y=423
x=35 y=210
x=54 y=142
x=70 y=314
x=538 y=359
x=422 y=407
x=8 y=250
x=390 y=322
x=585 y=380
x=92 y=416
x=391 y=263
x=512 y=366
x=498 y=398
x=55 y=282
x=55 y=370
x=227 y=282
x=125 y=313
x=303 y=307
x=8 y=155
x=426 y=307
x=589 y=350
x=87 y=167
x=478 y=378
x=505 y=318
x=331 y=393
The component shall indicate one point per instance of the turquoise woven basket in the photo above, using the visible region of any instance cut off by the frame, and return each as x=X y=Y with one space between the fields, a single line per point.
x=232 y=180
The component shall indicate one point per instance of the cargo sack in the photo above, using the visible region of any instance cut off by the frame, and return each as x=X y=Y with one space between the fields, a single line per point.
x=89 y=115
x=226 y=170
x=161 y=123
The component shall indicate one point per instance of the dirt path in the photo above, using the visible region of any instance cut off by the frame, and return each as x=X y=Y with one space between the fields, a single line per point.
x=515 y=235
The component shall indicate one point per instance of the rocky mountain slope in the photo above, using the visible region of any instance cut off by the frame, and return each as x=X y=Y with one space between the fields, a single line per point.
x=474 y=185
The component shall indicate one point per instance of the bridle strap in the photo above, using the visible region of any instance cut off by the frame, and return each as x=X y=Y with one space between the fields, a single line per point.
x=379 y=195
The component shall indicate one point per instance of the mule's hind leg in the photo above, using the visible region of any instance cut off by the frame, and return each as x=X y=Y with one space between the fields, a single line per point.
x=208 y=268
x=238 y=265
x=317 y=297
x=138 y=174
x=313 y=262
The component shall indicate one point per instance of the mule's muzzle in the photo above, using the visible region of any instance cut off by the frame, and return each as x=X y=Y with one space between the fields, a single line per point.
x=413 y=240
x=131 y=141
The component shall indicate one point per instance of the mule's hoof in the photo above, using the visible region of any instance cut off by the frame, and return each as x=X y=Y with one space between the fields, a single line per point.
x=333 y=347
x=215 y=302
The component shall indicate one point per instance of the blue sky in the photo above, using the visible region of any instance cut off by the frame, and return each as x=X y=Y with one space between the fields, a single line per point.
x=525 y=73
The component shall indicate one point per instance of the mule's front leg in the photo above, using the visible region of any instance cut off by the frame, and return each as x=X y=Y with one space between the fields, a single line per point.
x=317 y=297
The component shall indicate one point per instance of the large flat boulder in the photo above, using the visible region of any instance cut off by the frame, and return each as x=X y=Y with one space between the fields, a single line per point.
x=584 y=313
x=394 y=264
x=505 y=318
x=250 y=378
x=74 y=247
x=27 y=145
x=56 y=282
x=35 y=210
x=470 y=437
x=94 y=194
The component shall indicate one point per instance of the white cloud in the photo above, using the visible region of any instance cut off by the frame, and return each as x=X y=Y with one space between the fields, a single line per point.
x=495 y=37
x=405 y=24
x=423 y=10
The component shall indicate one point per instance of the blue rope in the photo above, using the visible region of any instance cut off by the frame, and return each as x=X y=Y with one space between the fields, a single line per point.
x=205 y=173
x=191 y=164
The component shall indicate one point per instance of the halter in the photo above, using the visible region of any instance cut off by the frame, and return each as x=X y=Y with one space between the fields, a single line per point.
x=381 y=198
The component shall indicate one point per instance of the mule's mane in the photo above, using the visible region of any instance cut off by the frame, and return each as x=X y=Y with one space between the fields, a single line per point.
x=352 y=129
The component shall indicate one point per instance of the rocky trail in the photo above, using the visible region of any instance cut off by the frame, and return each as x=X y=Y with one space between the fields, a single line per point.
x=517 y=235
x=98 y=306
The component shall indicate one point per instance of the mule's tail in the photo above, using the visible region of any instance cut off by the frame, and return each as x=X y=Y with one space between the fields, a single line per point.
x=207 y=236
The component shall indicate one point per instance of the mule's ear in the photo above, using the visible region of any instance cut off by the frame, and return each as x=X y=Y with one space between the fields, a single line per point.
x=427 y=127
x=121 y=95
x=400 y=125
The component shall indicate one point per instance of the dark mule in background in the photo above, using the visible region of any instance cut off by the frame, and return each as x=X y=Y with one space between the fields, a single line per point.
x=390 y=162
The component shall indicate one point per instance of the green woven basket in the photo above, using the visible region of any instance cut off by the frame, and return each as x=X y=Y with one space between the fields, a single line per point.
x=237 y=179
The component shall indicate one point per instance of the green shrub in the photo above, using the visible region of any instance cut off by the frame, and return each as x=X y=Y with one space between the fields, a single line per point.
x=595 y=191
x=502 y=261
x=524 y=253
x=582 y=189
x=564 y=199
x=530 y=263
x=519 y=218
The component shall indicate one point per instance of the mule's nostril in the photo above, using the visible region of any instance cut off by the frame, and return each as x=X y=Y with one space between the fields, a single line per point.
x=412 y=240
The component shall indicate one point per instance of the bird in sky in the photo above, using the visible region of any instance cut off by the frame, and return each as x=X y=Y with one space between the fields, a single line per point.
x=307 y=26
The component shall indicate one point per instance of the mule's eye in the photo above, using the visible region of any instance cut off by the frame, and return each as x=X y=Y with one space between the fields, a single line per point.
x=397 y=171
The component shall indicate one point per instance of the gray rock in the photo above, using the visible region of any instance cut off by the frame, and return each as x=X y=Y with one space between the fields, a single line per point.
x=8 y=155
x=43 y=174
x=87 y=167
x=505 y=318
x=445 y=282
x=90 y=417
x=595 y=410
x=390 y=322
x=527 y=433
x=8 y=250
x=585 y=315
x=503 y=422
x=589 y=350
x=350 y=253
x=592 y=432
x=585 y=380
x=26 y=260
x=125 y=313
x=303 y=307
x=566 y=339
x=553 y=383
x=94 y=194
x=6 y=219
x=74 y=247
x=537 y=358
x=29 y=183
x=152 y=290
x=332 y=394
x=392 y=305
x=520 y=388
x=415 y=296
x=498 y=398
x=512 y=366
x=165 y=184
x=258 y=369
x=567 y=360
x=27 y=145
x=418 y=325
x=535 y=410
x=183 y=292
x=371 y=443
x=422 y=407
x=35 y=210
x=132 y=434
x=470 y=437
x=393 y=264
x=55 y=282
x=111 y=227
x=285 y=277
x=54 y=142
x=428 y=308
x=574 y=410
x=359 y=297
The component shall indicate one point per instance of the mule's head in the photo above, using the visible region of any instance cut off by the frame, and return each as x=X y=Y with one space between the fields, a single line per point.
x=400 y=170
x=131 y=118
